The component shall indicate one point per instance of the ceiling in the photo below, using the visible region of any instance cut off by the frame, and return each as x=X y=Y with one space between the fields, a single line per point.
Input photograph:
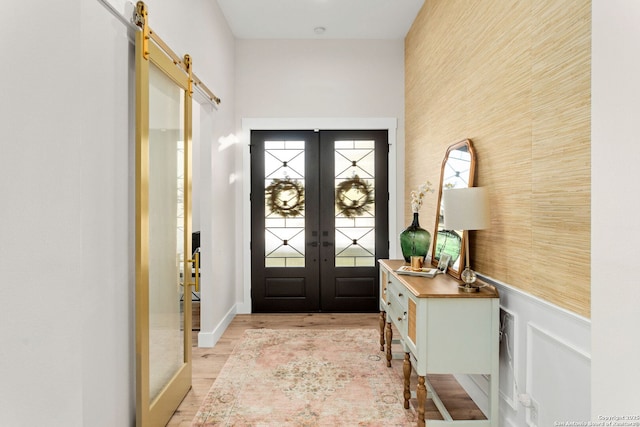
x=299 y=19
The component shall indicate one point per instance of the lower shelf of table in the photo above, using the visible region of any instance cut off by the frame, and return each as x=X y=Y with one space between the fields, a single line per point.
x=447 y=402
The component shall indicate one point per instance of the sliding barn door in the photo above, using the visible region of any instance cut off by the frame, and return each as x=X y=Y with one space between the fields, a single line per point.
x=163 y=235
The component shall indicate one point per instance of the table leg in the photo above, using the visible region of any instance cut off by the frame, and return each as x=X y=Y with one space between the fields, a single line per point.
x=406 y=368
x=421 y=394
x=383 y=320
x=389 y=339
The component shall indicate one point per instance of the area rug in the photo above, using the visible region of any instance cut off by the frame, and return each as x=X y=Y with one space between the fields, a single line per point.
x=306 y=378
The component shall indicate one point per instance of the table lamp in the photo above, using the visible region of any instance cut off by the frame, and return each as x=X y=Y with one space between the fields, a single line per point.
x=466 y=209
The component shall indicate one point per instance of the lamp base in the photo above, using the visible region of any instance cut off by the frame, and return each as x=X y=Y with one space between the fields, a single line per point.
x=469 y=288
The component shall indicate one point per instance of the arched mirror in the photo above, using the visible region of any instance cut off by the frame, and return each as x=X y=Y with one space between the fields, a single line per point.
x=458 y=169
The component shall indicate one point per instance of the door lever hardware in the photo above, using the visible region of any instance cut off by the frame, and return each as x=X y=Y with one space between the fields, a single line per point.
x=196 y=262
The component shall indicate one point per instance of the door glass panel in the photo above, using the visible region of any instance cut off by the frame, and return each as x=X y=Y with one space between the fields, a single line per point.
x=284 y=183
x=355 y=204
x=166 y=241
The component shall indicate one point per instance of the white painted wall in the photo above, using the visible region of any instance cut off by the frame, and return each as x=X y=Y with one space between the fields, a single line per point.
x=320 y=78
x=41 y=208
x=312 y=80
x=615 y=248
x=67 y=210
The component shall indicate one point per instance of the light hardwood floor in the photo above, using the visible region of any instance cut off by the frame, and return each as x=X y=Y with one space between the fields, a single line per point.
x=208 y=362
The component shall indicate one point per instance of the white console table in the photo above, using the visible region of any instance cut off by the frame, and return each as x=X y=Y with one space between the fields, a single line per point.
x=446 y=330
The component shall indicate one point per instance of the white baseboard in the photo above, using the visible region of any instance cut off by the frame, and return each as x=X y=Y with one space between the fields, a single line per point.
x=210 y=338
x=243 y=307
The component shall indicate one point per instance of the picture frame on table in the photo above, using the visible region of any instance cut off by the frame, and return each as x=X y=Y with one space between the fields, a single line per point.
x=444 y=261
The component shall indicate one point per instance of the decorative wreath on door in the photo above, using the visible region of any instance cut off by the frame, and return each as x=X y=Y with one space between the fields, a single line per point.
x=285 y=197
x=353 y=196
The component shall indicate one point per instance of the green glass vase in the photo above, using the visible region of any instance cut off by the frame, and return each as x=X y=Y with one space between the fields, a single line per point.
x=414 y=241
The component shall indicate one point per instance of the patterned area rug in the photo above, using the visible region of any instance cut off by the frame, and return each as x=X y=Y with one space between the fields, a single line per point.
x=306 y=378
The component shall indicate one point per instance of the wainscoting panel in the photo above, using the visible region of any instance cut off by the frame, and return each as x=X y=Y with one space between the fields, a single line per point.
x=546 y=375
x=556 y=367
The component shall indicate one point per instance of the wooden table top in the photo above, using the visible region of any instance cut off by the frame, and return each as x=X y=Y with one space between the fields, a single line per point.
x=440 y=286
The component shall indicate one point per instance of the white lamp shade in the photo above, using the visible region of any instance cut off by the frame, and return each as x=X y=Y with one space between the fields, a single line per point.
x=466 y=208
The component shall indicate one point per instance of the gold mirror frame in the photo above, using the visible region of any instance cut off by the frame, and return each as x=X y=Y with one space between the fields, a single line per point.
x=458 y=169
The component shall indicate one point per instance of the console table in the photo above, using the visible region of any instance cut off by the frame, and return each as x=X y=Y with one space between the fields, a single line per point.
x=446 y=330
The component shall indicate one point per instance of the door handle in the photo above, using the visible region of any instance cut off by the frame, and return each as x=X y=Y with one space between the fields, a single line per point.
x=196 y=262
x=325 y=244
x=314 y=244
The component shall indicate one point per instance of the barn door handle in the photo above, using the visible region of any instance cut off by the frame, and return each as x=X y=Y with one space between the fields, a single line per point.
x=196 y=265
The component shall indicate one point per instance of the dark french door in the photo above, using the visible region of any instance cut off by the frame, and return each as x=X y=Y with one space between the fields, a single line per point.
x=319 y=219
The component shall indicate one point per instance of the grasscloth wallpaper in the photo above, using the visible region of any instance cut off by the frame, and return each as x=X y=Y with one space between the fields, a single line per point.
x=514 y=77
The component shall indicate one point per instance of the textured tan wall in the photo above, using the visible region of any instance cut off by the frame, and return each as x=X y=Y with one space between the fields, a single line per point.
x=514 y=77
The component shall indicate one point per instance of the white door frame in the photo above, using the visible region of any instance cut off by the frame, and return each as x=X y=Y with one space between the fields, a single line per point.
x=248 y=124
